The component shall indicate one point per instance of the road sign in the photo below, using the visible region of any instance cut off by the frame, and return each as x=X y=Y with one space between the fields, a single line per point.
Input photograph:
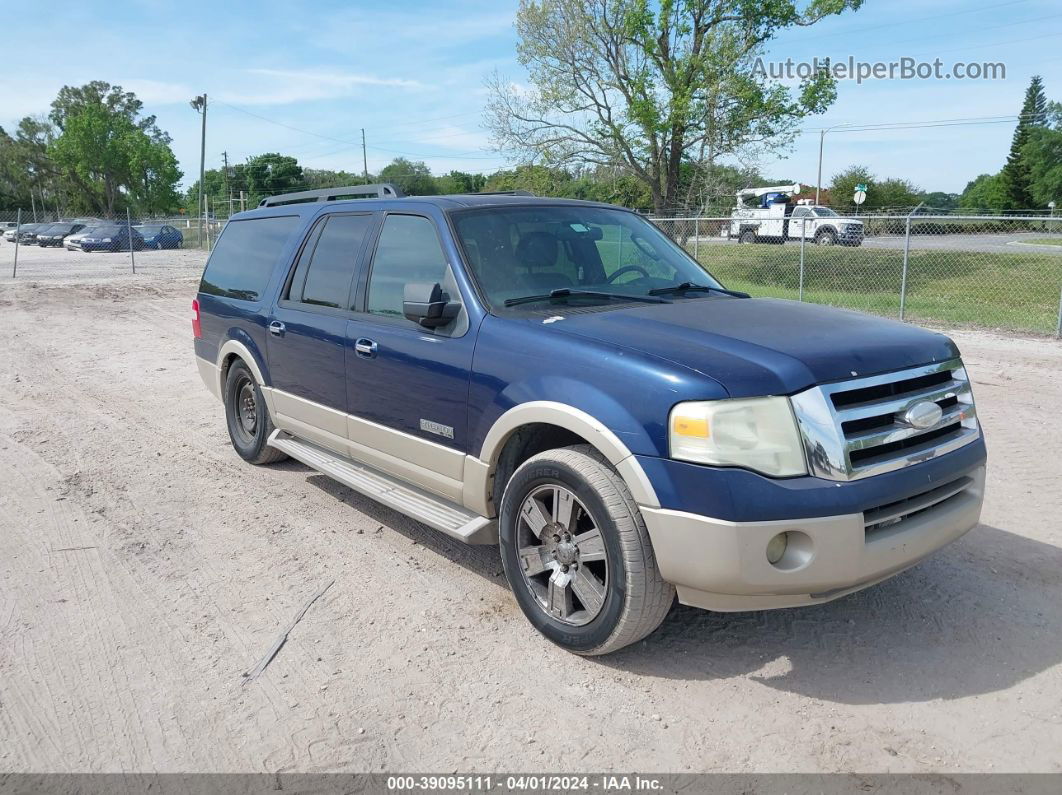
x=862 y=186
x=860 y=196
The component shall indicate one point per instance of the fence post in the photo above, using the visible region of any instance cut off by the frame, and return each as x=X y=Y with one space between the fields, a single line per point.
x=129 y=231
x=906 y=257
x=696 y=238
x=1058 y=328
x=18 y=234
x=803 y=235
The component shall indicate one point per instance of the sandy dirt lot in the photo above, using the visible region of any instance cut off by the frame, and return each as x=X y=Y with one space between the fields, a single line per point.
x=146 y=568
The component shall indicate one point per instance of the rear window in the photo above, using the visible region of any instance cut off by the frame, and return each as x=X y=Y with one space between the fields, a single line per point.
x=245 y=255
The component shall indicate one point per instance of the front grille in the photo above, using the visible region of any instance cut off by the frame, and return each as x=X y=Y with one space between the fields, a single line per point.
x=868 y=426
x=892 y=514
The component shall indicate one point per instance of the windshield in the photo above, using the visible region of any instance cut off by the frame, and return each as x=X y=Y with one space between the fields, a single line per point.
x=107 y=230
x=149 y=230
x=521 y=251
x=825 y=212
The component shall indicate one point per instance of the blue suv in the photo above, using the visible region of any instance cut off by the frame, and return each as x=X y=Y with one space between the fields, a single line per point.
x=560 y=378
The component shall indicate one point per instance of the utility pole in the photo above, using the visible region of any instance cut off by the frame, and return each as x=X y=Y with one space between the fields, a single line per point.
x=818 y=179
x=364 y=159
x=822 y=137
x=228 y=191
x=199 y=104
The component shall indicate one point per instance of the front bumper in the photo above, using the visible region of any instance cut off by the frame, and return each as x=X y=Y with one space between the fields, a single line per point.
x=722 y=565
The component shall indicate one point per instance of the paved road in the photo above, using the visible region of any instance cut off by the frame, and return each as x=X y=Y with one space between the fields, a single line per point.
x=1006 y=243
x=996 y=243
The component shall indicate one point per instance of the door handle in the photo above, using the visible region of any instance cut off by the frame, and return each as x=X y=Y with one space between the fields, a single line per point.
x=276 y=328
x=365 y=348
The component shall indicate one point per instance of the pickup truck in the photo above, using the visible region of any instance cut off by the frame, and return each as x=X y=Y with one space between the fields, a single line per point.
x=776 y=219
x=561 y=379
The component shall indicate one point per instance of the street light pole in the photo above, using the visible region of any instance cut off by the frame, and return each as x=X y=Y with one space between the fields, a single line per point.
x=199 y=104
x=822 y=137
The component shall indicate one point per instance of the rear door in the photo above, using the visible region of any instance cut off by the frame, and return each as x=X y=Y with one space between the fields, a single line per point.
x=307 y=332
x=407 y=386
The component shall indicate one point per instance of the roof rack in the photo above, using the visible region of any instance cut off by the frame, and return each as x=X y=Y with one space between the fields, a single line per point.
x=499 y=193
x=383 y=190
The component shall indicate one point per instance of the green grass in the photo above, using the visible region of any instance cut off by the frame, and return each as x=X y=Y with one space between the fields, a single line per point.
x=1017 y=291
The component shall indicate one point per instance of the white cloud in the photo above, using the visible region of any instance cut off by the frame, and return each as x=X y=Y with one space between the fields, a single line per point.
x=158 y=92
x=283 y=86
x=452 y=137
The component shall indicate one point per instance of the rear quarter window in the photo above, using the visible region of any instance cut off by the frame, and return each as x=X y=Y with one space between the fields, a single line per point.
x=245 y=255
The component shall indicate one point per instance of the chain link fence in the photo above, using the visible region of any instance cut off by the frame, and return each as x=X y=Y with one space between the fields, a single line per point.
x=193 y=236
x=1000 y=272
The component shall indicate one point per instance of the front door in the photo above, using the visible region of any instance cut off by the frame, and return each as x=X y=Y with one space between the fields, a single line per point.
x=407 y=386
x=307 y=334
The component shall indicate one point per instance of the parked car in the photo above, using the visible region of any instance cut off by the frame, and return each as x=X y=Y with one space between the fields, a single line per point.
x=73 y=242
x=27 y=233
x=109 y=237
x=561 y=378
x=160 y=236
x=55 y=234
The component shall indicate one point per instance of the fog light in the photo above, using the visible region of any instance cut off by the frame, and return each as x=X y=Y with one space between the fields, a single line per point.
x=776 y=547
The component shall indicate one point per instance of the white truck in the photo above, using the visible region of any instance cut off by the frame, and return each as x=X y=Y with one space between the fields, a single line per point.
x=775 y=219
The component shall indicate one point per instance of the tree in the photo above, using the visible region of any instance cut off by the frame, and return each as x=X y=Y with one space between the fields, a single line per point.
x=413 y=178
x=985 y=194
x=460 y=182
x=1043 y=155
x=27 y=174
x=110 y=152
x=843 y=185
x=1017 y=182
x=890 y=193
x=939 y=200
x=326 y=178
x=270 y=174
x=650 y=86
x=112 y=160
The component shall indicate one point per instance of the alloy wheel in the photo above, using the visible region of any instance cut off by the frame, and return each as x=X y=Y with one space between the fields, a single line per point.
x=562 y=555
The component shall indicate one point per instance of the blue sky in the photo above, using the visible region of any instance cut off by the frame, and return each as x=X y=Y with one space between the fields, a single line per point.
x=411 y=73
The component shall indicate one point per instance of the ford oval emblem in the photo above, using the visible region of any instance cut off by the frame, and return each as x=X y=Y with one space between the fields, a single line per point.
x=923 y=414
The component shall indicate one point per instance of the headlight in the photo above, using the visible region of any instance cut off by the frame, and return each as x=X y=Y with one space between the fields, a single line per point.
x=754 y=433
x=106 y=240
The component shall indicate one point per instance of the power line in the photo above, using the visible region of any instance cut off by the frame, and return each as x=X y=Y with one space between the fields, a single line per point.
x=915 y=125
x=907 y=22
x=892 y=43
x=354 y=144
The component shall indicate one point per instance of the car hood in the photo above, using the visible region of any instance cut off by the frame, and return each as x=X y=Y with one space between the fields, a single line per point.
x=762 y=346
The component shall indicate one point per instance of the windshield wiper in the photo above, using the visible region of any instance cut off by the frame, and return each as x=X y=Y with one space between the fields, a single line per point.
x=689 y=287
x=562 y=293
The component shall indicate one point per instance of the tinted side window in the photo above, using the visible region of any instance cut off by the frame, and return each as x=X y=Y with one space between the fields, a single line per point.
x=408 y=252
x=244 y=257
x=332 y=266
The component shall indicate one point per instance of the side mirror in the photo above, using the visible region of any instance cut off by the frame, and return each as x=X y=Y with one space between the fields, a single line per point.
x=428 y=305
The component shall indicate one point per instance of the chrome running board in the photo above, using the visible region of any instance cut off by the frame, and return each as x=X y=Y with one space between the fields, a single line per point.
x=431 y=509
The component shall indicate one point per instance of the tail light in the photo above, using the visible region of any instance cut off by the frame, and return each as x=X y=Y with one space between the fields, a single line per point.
x=197 y=326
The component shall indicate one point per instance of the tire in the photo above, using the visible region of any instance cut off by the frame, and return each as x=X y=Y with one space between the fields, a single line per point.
x=825 y=237
x=608 y=556
x=747 y=236
x=248 y=423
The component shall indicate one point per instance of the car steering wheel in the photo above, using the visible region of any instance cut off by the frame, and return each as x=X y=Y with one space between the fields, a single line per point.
x=628 y=269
